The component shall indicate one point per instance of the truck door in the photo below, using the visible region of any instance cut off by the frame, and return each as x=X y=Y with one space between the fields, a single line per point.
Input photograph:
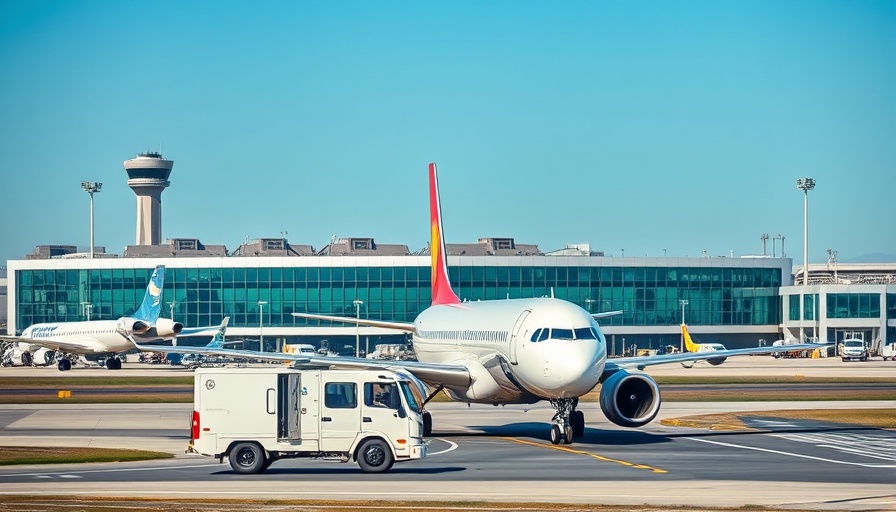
x=340 y=415
x=289 y=386
x=383 y=411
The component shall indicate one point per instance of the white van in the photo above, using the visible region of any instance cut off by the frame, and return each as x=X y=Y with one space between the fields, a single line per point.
x=255 y=416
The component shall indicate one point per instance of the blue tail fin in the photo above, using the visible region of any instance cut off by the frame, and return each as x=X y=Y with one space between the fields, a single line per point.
x=218 y=340
x=152 y=302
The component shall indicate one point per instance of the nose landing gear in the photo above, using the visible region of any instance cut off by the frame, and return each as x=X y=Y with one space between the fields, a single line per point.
x=567 y=422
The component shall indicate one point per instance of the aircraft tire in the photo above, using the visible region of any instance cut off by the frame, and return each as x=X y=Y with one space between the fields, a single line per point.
x=567 y=436
x=555 y=434
x=64 y=365
x=577 y=419
x=374 y=456
x=27 y=359
x=247 y=458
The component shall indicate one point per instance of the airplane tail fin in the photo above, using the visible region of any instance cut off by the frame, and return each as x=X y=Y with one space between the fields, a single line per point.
x=151 y=307
x=688 y=342
x=218 y=340
x=441 y=285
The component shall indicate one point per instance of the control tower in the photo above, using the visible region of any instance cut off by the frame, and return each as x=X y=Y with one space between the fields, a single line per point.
x=148 y=177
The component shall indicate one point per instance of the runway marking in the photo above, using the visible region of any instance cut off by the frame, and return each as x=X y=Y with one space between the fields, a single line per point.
x=449 y=449
x=791 y=454
x=593 y=455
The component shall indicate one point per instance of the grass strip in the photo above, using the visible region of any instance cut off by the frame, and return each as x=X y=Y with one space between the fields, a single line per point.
x=876 y=418
x=10 y=455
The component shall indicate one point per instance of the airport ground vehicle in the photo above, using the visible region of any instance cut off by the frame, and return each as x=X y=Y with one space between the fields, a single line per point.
x=255 y=416
x=854 y=349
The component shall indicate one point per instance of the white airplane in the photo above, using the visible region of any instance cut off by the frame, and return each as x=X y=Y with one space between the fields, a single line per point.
x=97 y=339
x=510 y=351
x=691 y=346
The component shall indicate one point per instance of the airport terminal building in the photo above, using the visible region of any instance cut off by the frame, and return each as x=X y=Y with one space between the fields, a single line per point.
x=741 y=302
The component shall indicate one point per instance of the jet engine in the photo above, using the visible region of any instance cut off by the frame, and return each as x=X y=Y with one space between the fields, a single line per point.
x=133 y=326
x=167 y=328
x=630 y=399
x=43 y=357
x=716 y=361
x=19 y=357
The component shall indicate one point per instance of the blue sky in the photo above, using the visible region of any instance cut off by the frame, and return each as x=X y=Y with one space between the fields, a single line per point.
x=635 y=126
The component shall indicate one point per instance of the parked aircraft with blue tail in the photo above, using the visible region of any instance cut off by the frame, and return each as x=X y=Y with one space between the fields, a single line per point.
x=102 y=340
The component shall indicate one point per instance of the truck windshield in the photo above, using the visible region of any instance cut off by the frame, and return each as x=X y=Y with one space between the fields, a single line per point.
x=854 y=344
x=409 y=397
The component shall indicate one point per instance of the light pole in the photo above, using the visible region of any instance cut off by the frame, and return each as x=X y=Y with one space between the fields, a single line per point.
x=90 y=187
x=683 y=302
x=261 y=304
x=357 y=304
x=805 y=184
x=87 y=308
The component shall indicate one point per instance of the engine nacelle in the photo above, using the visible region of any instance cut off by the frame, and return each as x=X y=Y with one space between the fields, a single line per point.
x=43 y=357
x=716 y=361
x=19 y=357
x=630 y=399
x=133 y=326
x=166 y=328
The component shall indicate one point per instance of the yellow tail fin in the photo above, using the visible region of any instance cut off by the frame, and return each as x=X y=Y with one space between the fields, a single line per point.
x=688 y=342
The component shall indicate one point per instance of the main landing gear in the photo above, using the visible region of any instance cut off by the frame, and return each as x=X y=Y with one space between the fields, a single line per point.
x=568 y=422
x=113 y=363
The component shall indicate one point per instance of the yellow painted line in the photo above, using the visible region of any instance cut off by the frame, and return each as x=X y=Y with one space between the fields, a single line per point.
x=593 y=455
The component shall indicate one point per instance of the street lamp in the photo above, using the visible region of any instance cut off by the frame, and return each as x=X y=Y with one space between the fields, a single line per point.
x=683 y=302
x=805 y=184
x=261 y=304
x=90 y=187
x=357 y=304
x=87 y=308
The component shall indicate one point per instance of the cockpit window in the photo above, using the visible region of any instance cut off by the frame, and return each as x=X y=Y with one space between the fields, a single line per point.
x=561 y=334
x=545 y=334
x=585 y=333
x=535 y=335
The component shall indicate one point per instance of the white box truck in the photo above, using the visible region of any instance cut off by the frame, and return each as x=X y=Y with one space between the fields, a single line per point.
x=255 y=416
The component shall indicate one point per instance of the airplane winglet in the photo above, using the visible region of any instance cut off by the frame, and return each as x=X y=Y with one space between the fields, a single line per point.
x=441 y=285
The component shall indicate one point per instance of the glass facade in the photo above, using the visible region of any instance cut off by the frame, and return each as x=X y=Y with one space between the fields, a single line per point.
x=853 y=305
x=648 y=296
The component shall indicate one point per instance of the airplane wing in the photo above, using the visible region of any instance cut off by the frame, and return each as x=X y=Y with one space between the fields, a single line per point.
x=200 y=331
x=85 y=346
x=433 y=374
x=398 y=326
x=640 y=362
x=605 y=314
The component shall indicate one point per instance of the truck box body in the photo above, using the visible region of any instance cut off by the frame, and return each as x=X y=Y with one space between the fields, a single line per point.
x=290 y=413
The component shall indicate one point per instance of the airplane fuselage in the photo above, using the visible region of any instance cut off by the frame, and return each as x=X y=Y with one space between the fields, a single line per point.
x=97 y=336
x=508 y=338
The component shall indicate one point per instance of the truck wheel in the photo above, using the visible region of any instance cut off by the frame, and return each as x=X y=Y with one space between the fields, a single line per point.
x=374 y=456
x=247 y=458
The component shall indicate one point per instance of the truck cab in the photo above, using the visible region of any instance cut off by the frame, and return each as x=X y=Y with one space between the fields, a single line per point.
x=256 y=416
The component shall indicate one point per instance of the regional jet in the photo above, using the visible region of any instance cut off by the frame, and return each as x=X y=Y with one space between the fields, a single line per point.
x=701 y=347
x=101 y=339
x=510 y=351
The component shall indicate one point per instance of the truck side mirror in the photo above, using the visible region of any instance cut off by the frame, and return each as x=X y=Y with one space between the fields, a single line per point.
x=400 y=413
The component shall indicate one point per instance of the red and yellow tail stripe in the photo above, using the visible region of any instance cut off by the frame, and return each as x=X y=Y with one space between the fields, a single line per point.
x=441 y=286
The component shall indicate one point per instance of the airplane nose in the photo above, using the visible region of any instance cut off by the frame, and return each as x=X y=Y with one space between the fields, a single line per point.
x=572 y=369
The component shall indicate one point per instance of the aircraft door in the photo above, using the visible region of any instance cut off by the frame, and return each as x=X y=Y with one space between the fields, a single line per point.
x=515 y=335
x=340 y=416
x=383 y=410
